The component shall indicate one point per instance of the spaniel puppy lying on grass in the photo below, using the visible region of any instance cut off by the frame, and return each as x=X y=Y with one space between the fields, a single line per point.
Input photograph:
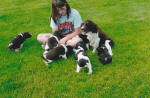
x=17 y=42
x=61 y=51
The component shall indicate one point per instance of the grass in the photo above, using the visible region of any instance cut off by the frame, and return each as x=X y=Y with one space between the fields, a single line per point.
x=24 y=74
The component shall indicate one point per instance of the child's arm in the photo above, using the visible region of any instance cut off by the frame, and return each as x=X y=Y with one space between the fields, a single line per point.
x=70 y=36
x=54 y=30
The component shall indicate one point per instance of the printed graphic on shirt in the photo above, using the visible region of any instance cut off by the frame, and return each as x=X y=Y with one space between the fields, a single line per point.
x=66 y=27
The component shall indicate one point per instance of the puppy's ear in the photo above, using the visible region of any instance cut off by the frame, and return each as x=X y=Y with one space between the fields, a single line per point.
x=27 y=34
x=69 y=47
x=93 y=27
x=81 y=24
x=82 y=36
x=100 y=50
x=84 y=54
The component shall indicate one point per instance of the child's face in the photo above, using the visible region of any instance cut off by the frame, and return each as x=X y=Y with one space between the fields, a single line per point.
x=62 y=11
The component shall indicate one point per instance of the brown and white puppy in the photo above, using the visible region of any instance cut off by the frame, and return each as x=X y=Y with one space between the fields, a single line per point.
x=59 y=52
x=53 y=41
x=95 y=35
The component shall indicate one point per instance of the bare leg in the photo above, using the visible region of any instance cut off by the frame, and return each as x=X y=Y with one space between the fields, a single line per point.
x=43 y=37
x=72 y=42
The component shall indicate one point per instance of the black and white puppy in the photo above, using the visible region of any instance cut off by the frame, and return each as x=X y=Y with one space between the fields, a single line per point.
x=95 y=35
x=105 y=53
x=85 y=41
x=17 y=42
x=82 y=59
x=59 y=52
x=53 y=41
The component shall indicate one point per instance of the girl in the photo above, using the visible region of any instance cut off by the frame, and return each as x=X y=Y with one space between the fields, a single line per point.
x=65 y=19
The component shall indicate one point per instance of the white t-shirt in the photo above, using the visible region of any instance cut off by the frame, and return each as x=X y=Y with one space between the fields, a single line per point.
x=67 y=25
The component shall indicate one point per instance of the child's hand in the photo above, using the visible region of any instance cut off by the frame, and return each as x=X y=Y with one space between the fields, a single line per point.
x=63 y=41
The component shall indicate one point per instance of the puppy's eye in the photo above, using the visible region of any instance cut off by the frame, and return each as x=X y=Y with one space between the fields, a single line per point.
x=86 y=24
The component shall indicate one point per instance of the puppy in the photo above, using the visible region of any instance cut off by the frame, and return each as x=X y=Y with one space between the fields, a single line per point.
x=59 y=52
x=53 y=41
x=95 y=35
x=83 y=45
x=17 y=42
x=105 y=53
x=85 y=41
x=82 y=59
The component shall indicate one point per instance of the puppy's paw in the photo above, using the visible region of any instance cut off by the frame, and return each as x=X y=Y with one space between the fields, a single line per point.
x=64 y=56
x=16 y=50
x=87 y=46
x=46 y=63
x=89 y=72
x=93 y=51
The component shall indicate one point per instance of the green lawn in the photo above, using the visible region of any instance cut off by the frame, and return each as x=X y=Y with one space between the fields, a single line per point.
x=25 y=75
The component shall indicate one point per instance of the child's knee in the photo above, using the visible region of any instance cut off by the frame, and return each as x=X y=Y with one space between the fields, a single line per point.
x=70 y=43
x=74 y=41
x=39 y=37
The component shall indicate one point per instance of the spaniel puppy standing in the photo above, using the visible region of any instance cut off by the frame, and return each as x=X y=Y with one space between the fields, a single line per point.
x=17 y=42
x=82 y=59
x=94 y=34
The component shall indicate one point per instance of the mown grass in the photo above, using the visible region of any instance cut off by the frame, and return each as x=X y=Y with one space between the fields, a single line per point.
x=24 y=74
